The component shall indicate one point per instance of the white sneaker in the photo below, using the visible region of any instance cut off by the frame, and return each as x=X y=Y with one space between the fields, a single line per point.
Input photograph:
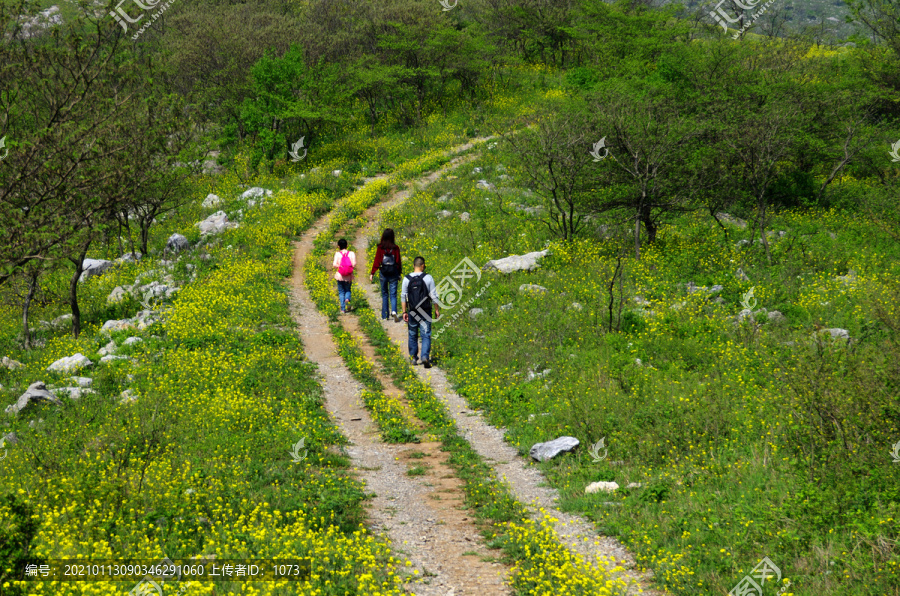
x=395 y=316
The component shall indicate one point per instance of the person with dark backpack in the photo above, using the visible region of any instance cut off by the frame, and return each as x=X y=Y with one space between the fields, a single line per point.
x=390 y=268
x=419 y=298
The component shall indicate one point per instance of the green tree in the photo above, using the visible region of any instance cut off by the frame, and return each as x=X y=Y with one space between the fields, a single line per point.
x=552 y=158
x=63 y=94
x=653 y=158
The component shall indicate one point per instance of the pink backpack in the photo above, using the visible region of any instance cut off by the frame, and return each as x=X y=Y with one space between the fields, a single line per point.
x=346 y=266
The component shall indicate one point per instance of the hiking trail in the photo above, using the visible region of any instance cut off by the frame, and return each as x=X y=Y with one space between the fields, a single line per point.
x=424 y=516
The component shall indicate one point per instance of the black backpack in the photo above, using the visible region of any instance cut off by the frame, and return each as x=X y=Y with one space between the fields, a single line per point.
x=417 y=297
x=389 y=265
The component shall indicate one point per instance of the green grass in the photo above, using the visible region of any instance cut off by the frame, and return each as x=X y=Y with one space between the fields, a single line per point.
x=749 y=440
x=417 y=471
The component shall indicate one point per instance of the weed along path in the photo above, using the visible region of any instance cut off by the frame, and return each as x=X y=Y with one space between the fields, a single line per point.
x=526 y=483
x=417 y=501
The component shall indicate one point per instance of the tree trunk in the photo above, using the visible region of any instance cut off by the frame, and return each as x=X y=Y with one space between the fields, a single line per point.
x=637 y=239
x=762 y=228
x=612 y=285
x=145 y=233
x=127 y=226
x=26 y=330
x=73 y=292
x=648 y=224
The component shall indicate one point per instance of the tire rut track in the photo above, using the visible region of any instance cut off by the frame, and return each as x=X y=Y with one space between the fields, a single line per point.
x=423 y=518
x=526 y=482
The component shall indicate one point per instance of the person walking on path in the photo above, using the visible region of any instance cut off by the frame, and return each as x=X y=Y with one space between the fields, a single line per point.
x=390 y=268
x=419 y=297
x=343 y=264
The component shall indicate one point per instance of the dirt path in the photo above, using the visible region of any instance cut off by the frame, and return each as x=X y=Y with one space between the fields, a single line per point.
x=423 y=516
x=526 y=482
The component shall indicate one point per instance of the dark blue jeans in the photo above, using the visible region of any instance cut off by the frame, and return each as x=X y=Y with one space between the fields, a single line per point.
x=388 y=289
x=344 y=293
x=416 y=329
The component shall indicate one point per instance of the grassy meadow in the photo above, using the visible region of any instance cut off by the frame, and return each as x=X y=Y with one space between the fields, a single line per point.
x=764 y=437
x=742 y=395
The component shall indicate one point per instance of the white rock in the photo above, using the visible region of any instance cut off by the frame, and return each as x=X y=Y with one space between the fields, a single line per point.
x=43 y=20
x=576 y=306
x=72 y=392
x=112 y=357
x=464 y=216
x=641 y=301
x=596 y=487
x=506 y=306
x=215 y=224
x=128 y=397
x=109 y=348
x=485 y=185
x=132 y=341
x=633 y=485
x=526 y=262
x=70 y=363
x=775 y=316
x=130 y=257
x=735 y=221
x=336 y=173
x=116 y=325
x=532 y=288
x=741 y=275
x=837 y=333
x=476 y=170
x=444 y=213
x=550 y=449
x=36 y=393
x=154 y=290
x=255 y=193
x=445 y=198
x=94 y=267
x=61 y=321
x=177 y=243
x=82 y=381
x=118 y=294
x=211 y=201
x=11 y=364
x=533 y=375
x=475 y=312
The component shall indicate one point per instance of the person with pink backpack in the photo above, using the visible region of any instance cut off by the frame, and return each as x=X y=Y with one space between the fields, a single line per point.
x=344 y=263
